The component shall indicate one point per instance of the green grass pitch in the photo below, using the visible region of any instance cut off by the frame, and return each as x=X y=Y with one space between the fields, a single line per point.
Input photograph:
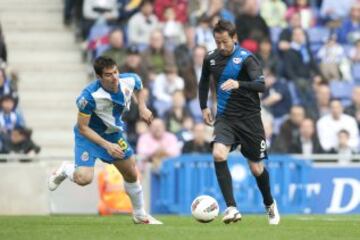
x=292 y=227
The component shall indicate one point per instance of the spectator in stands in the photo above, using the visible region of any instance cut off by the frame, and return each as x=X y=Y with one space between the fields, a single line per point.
x=307 y=142
x=9 y=118
x=165 y=85
x=157 y=144
x=186 y=132
x=354 y=109
x=133 y=63
x=95 y=9
x=183 y=52
x=329 y=125
x=276 y=98
x=355 y=61
x=3 y=51
x=203 y=33
x=308 y=17
x=267 y=56
x=285 y=37
x=180 y=8
x=289 y=130
x=300 y=68
x=333 y=12
x=117 y=50
x=173 y=30
x=343 y=148
x=330 y=56
x=321 y=106
x=156 y=56
x=175 y=116
x=217 y=9
x=349 y=31
x=273 y=12
x=251 y=28
x=19 y=141
x=142 y=24
x=198 y=144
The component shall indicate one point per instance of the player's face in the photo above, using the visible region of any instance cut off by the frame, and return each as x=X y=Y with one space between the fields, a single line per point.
x=225 y=43
x=110 y=79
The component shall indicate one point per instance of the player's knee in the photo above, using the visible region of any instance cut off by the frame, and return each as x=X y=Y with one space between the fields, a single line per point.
x=82 y=179
x=256 y=169
x=219 y=155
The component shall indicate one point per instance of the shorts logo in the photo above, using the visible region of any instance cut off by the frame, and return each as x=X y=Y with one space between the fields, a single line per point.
x=85 y=156
x=212 y=62
x=262 y=149
x=237 y=60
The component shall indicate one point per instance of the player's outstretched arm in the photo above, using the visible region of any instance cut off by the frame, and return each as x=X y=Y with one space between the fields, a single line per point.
x=145 y=113
x=84 y=129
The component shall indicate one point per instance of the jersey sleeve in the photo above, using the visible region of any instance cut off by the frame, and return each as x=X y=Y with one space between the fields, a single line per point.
x=204 y=84
x=256 y=76
x=138 y=83
x=85 y=103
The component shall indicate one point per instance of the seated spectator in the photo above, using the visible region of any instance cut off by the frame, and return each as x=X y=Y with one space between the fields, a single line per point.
x=276 y=98
x=349 y=31
x=343 y=148
x=289 y=130
x=267 y=56
x=156 y=56
x=175 y=116
x=273 y=12
x=331 y=55
x=321 y=106
x=7 y=88
x=251 y=28
x=173 y=30
x=186 y=132
x=142 y=24
x=355 y=61
x=117 y=50
x=164 y=87
x=9 y=118
x=307 y=142
x=180 y=8
x=204 y=35
x=198 y=144
x=329 y=125
x=354 y=109
x=218 y=9
x=157 y=144
x=133 y=63
x=308 y=16
x=20 y=142
x=333 y=12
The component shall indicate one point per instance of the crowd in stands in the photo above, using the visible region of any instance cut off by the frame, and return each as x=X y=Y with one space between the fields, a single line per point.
x=309 y=49
x=15 y=137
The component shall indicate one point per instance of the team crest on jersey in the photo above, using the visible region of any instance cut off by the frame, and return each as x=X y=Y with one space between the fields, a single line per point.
x=82 y=103
x=212 y=62
x=127 y=92
x=85 y=156
x=237 y=60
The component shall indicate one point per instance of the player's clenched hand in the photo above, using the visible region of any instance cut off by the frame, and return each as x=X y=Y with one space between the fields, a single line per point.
x=114 y=150
x=207 y=116
x=230 y=84
x=146 y=115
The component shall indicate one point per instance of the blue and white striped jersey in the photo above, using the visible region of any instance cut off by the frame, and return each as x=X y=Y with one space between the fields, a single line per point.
x=106 y=108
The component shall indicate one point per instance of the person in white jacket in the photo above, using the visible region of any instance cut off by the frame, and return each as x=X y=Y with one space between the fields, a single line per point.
x=331 y=124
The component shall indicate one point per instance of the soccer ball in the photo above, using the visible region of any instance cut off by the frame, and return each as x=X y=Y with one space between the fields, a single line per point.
x=204 y=208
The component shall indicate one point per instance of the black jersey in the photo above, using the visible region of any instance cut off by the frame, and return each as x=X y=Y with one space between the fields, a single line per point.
x=241 y=65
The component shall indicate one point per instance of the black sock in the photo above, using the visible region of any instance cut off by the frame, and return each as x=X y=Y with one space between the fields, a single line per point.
x=263 y=183
x=225 y=182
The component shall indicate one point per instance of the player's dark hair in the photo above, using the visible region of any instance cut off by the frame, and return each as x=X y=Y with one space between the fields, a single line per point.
x=101 y=63
x=225 y=26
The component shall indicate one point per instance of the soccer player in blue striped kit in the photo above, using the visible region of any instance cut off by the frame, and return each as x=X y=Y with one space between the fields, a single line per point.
x=99 y=133
x=238 y=79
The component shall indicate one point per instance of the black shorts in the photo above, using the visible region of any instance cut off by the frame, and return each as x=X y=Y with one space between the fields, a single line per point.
x=248 y=133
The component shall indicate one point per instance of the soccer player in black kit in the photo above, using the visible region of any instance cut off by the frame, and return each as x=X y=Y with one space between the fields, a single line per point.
x=238 y=80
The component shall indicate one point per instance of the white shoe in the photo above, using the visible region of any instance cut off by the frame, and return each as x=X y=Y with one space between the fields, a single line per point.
x=231 y=214
x=145 y=219
x=273 y=214
x=56 y=178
